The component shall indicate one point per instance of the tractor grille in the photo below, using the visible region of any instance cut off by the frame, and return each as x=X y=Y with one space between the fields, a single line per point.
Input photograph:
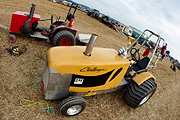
x=45 y=75
x=56 y=85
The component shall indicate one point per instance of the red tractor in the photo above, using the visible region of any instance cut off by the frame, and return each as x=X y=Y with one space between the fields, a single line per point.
x=60 y=32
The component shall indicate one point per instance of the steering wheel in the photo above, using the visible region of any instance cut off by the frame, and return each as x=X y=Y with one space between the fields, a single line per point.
x=135 y=54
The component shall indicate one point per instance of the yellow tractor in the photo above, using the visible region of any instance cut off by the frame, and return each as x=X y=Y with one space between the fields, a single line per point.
x=71 y=73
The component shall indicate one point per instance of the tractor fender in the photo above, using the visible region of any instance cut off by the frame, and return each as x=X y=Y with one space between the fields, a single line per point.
x=62 y=27
x=142 y=77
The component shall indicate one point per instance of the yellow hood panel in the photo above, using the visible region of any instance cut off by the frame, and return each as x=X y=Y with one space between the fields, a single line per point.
x=71 y=60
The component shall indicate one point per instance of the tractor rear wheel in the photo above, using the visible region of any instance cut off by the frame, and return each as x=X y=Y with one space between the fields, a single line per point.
x=12 y=39
x=64 y=38
x=72 y=106
x=136 y=95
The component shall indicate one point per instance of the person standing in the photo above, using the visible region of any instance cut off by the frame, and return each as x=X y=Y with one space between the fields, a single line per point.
x=173 y=66
x=163 y=51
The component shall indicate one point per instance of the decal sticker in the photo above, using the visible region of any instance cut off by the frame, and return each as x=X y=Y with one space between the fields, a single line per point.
x=90 y=93
x=90 y=81
x=95 y=69
x=78 y=81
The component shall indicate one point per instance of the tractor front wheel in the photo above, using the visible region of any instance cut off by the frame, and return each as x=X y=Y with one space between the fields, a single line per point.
x=12 y=39
x=64 y=38
x=72 y=106
x=136 y=95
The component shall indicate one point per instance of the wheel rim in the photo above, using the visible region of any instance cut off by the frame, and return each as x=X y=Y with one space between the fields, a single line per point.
x=74 y=110
x=11 y=39
x=146 y=98
x=65 y=42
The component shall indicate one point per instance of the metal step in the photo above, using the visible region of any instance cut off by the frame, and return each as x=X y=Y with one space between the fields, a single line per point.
x=39 y=35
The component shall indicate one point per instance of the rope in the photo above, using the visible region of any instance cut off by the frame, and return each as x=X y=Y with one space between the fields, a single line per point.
x=33 y=102
x=50 y=110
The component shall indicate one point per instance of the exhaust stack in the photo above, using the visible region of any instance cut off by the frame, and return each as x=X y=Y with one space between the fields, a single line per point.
x=90 y=45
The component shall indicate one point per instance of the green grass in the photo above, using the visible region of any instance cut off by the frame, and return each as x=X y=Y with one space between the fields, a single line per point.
x=165 y=75
x=31 y=79
x=30 y=83
x=38 y=55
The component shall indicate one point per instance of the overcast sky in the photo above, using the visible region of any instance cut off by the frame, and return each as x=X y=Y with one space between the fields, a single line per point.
x=160 y=16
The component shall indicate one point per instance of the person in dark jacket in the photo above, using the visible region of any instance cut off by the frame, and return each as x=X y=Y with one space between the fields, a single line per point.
x=173 y=66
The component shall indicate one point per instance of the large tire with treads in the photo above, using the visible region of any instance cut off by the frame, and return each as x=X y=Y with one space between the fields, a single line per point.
x=64 y=38
x=136 y=95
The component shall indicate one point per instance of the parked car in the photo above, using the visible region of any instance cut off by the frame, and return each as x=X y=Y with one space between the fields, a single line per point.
x=69 y=4
x=64 y=3
x=59 y=1
x=125 y=29
x=93 y=13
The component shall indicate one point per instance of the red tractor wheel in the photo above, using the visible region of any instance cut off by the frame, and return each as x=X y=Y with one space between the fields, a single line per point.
x=64 y=38
x=12 y=39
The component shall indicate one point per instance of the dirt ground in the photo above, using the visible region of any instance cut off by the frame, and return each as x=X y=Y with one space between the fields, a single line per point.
x=20 y=75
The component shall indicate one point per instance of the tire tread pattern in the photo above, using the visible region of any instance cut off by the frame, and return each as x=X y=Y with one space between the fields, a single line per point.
x=61 y=33
x=135 y=93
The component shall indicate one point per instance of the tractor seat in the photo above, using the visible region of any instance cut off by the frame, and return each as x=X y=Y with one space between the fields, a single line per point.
x=59 y=23
x=65 y=23
x=141 y=64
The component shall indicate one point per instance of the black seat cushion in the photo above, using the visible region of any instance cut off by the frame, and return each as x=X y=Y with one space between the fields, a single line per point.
x=141 y=64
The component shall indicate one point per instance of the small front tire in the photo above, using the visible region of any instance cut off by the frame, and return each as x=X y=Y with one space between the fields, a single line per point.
x=72 y=106
x=12 y=39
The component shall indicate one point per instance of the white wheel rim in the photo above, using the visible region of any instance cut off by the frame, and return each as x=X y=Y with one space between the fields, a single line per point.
x=146 y=98
x=73 y=110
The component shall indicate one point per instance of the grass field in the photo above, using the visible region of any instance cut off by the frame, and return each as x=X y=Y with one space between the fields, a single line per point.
x=20 y=75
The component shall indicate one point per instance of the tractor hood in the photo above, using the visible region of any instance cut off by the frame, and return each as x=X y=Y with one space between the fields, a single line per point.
x=71 y=60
